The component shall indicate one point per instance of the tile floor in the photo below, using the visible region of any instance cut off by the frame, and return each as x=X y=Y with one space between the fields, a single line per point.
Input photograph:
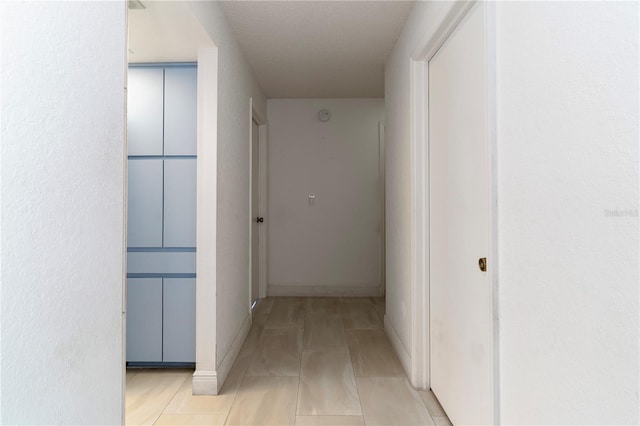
x=306 y=361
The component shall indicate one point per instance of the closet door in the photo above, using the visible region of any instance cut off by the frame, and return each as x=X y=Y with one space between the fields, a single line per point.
x=180 y=111
x=180 y=203
x=144 y=223
x=144 y=319
x=461 y=314
x=179 y=328
x=145 y=114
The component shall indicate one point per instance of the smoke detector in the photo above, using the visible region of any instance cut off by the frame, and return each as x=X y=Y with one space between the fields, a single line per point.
x=324 y=115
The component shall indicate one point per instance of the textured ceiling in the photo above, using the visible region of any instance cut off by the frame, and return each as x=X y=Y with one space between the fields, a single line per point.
x=165 y=31
x=318 y=49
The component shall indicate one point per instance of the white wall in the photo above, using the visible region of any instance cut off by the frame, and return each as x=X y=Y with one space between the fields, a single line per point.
x=567 y=149
x=236 y=85
x=62 y=197
x=334 y=246
x=421 y=24
x=568 y=155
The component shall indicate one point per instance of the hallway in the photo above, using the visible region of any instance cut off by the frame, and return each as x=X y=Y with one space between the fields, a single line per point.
x=306 y=361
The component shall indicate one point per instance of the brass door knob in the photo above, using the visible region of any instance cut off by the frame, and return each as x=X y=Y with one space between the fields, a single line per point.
x=482 y=263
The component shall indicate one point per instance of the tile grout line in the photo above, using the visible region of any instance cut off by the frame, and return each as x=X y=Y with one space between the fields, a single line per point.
x=304 y=326
x=171 y=399
x=244 y=375
x=364 y=421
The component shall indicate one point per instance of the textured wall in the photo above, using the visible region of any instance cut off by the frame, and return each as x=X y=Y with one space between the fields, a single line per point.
x=235 y=86
x=62 y=201
x=333 y=246
x=568 y=212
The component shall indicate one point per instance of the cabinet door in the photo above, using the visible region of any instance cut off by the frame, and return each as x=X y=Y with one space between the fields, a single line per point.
x=145 y=97
x=144 y=319
x=180 y=111
x=144 y=223
x=179 y=330
x=180 y=203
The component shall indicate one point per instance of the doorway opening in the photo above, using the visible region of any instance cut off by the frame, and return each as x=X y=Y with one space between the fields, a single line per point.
x=258 y=206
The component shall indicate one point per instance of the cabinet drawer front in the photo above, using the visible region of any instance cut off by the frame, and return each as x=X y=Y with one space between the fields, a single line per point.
x=161 y=263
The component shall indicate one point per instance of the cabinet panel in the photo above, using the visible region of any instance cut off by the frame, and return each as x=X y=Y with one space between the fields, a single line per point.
x=145 y=111
x=180 y=203
x=180 y=111
x=179 y=331
x=144 y=319
x=144 y=224
x=161 y=263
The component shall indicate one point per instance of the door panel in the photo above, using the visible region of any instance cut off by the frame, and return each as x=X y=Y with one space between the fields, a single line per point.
x=144 y=319
x=255 y=212
x=180 y=203
x=179 y=327
x=180 y=111
x=460 y=293
x=145 y=111
x=144 y=222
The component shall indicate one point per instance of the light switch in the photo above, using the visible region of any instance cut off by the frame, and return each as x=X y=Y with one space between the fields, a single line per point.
x=312 y=200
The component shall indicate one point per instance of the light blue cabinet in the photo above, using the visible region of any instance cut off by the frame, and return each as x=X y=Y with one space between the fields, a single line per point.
x=180 y=203
x=179 y=327
x=144 y=319
x=144 y=224
x=161 y=226
x=145 y=111
x=180 y=106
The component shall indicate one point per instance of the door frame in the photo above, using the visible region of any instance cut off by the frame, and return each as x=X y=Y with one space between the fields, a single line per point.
x=256 y=116
x=419 y=88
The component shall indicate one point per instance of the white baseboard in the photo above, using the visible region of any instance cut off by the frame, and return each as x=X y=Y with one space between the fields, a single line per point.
x=324 y=291
x=204 y=383
x=210 y=382
x=230 y=357
x=401 y=351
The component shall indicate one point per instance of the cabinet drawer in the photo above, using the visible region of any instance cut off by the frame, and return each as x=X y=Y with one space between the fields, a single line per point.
x=161 y=263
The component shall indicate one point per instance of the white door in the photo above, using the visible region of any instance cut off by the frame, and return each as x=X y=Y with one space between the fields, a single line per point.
x=255 y=212
x=460 y=293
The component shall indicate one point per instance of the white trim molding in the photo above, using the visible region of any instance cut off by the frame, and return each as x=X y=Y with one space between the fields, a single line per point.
x=325 y=291
x=230 y=357
x=419 y=367
x=419 y=373
x=205 y=379
x=204 y=383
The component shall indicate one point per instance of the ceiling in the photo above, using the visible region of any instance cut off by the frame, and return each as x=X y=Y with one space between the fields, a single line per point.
x=297 y=49
x=318 y=49
x=165 y=31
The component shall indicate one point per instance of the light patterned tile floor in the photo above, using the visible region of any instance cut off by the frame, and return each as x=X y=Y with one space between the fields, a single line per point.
x=306 y=361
